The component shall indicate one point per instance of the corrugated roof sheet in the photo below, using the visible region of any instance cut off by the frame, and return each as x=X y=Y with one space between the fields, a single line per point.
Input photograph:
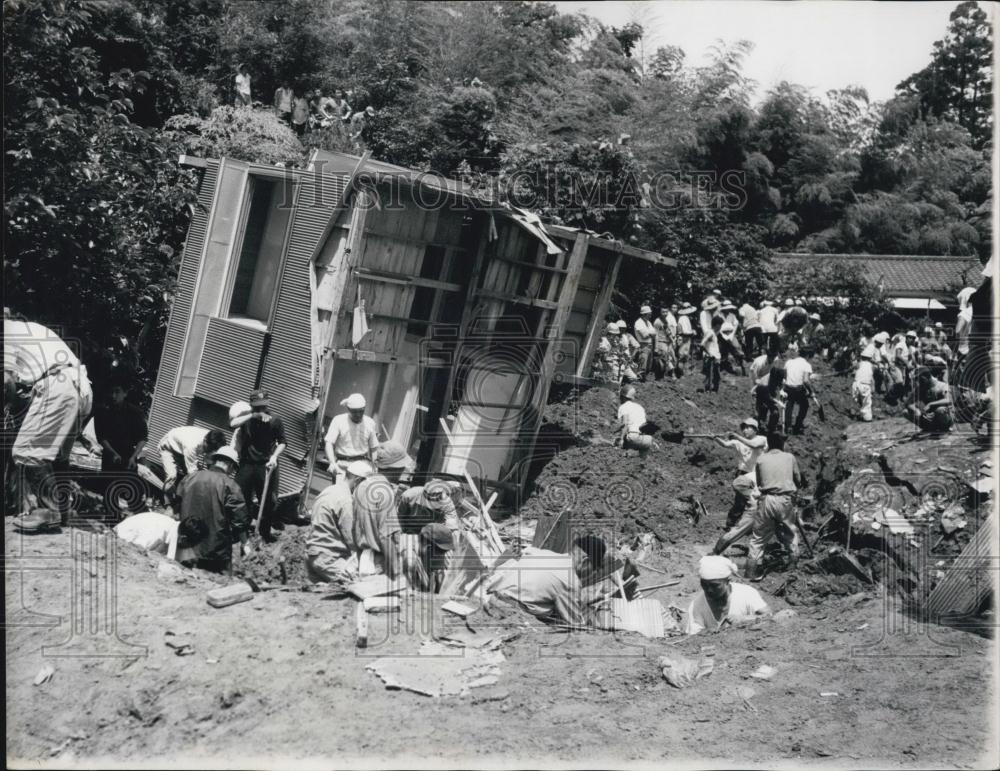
x=907 y=275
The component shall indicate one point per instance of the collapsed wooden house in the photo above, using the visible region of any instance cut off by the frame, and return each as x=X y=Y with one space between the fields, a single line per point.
x=473 y=311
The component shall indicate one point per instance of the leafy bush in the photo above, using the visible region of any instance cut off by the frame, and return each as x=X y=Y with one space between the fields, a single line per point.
x=244 y=133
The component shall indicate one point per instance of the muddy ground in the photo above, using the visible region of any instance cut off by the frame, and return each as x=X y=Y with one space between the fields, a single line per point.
x=858 y=680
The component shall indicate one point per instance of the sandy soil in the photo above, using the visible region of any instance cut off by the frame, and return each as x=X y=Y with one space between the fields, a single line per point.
x=858 y=682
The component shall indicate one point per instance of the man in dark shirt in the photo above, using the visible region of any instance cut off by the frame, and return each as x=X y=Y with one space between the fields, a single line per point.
x=212 y=507
x=121 y=431
x=259 y=441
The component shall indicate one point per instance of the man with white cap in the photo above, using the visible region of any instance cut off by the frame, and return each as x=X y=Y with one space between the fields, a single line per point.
x=212 y=504
x=631 y=419
x=184 y=449
x=864 y=383
x=721 y=600
x=352 y=435
x=628 y=340
x=260 y=441
x=331 y=552
x=685 y=334
x=750 y=445
x=709 y=310
x=611 y=361
x=645 y=335
x=879 y=360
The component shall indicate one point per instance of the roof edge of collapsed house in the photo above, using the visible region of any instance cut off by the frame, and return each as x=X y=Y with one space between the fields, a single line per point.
x=344 y=164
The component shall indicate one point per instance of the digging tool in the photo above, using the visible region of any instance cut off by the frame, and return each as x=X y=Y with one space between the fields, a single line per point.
x=676 y=437
x=819 y=408
x=263 y=499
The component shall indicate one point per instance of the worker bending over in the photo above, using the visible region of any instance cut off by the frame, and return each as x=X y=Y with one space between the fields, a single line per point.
x=331 y=553
x=376 y=529
x=213 y=514
x=631 y=419
x=185 y=449
x=750 y=445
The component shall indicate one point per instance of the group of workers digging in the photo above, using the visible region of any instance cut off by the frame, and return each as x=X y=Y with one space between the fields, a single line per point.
x=723 y=337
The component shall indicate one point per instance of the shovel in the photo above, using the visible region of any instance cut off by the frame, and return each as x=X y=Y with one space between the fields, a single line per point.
x=263 y=499
x=819 y=408
x=676 y=437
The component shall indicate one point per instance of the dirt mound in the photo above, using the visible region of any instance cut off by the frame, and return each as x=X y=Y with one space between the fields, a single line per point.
x=281 y=562
x=601 y=486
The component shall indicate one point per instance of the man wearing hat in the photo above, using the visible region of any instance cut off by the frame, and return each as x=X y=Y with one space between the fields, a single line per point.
x=612 y=361
x=768 y=317
x=352 y=435
x=729 y=345
x=685 y=334
x=212 y=505
x=709 y=309
x=260 y=440
x=722 y=601
x=750 y=446
x=331 y=552
x=628 y=340
x=424 y=504
x=645 y=334
x=864 y=383
x=879 y=360
x=631 y=418
x=376 y=524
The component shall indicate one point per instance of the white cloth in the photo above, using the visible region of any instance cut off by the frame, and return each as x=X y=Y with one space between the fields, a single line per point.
x=865 y=374
x=150 y=530
x=350 y=439
x=963 y=325
x=543 y=582
x=745 y=602
x=684 y=327
x=666 y=327
x=760 y=370
x=797 y=371
x=714 y=567
x=748 y=455
x=862 y=393
x=243 y=84
x=30 y=350
x=768 y=318
x=632 y=416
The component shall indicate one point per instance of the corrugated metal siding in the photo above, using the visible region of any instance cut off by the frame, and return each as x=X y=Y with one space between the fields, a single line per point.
x=289 y=370
x=230 y=362
x=168 y=411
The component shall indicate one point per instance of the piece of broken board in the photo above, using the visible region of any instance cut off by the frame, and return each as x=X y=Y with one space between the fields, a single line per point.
x=374 y=586
x=643 y=616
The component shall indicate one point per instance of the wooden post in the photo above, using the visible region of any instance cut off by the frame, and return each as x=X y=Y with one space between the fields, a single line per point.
x=597 y=318
x=354 y=244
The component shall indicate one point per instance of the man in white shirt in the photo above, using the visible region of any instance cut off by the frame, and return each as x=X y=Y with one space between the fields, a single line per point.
x=685 y=334
x=864 y=383
x=750 y=322
x=283 y=97
x=352 y=435
x=750 y=445
x=768 y=318
x=768 y=374
x=963 y=323
x=645 y=334
x=666 y=335
x=631 y=419
x=184 y=448
x=242 y=86
x=798 y=372
x=879 y=362
x=721 y=601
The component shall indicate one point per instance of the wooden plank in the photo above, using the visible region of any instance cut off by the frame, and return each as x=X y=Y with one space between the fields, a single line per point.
x=530 y=265
x=513 y=298
x=354 y=244
x=597 y=324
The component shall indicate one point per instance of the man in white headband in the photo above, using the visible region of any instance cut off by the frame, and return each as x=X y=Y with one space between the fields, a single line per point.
x=722 y=601
x=352 y=435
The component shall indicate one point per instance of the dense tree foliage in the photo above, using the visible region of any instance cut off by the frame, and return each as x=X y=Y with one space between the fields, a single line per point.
x=574 y=120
